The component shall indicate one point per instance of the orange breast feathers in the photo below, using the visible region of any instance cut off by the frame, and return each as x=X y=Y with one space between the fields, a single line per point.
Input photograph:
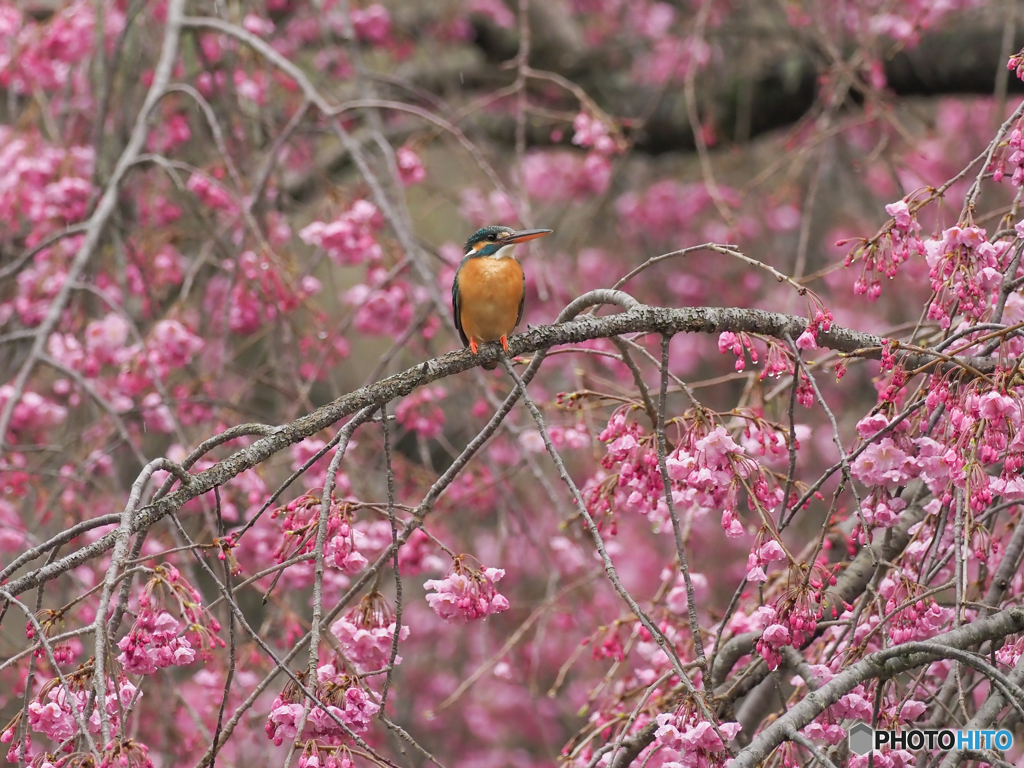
x=490 y=292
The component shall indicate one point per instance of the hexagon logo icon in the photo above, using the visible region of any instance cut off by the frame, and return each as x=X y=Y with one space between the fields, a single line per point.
x=862 y=737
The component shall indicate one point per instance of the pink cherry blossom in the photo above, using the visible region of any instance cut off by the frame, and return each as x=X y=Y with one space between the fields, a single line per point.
x=372 y=24
x=349 y=239
x=467 y=593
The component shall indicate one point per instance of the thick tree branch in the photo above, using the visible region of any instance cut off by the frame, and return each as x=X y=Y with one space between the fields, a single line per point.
x=883 y=664
x=959 y=59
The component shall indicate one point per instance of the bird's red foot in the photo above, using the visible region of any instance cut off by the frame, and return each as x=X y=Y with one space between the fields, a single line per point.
x=472 y=345
x=504 y=343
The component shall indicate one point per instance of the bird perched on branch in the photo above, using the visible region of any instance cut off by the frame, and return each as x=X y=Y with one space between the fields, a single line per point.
x=489 y=290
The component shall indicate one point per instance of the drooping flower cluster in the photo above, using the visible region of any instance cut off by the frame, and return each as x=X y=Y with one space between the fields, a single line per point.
x=212 y=192
x=372 y=24
x=33 y=414
x=38 y=58
x=386 y=305
x=346 y=702
x=410 y=167
x=479 y=209
x=707 y=470
x=45 y=186
x=561 y=176
x=1012 y=160
x=562 y=437
x=349 y=239
x=262 y=291
x=665 y=209
x=52 y=711
x=965 y=268
x=153 y=643
x=300 y=519
x=803 y=600
x=883 y=254
x=592 y=132
x=778 y=359
x=155 y=640
x=915 y=618
x=1016 y=64
x=982 y=431
x=760 y=557
x=467 y=592
x=316 y=754
x=689 y=739
x=366 y=634
x=420 y=413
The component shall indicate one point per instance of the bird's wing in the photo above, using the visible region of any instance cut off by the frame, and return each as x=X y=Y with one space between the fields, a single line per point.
x=522 y=304
x=456 y=312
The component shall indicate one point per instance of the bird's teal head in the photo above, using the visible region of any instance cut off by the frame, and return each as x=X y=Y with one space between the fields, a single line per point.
x=497 y=241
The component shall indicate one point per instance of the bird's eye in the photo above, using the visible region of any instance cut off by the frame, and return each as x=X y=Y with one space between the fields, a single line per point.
x=492 y=237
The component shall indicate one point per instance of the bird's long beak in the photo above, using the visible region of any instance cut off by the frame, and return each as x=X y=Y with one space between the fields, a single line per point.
x=527 y=234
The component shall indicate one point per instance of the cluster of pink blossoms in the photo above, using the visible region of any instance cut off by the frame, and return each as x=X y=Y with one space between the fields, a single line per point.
x=760 y=557
x=1014 y=162
x=318 y=755
x=172 y=346
x=957 y=462
x=45 y=186
x=917 y=619
x=45 y=57
x=637 y=485
x=410 y=167
x=56 y=720
x=706 y=470
x=467 y=592
x=965 y=270
x=857 y=705
x=211 y=192
x=708 y=466
x=778 y=359
x=592 y=132
x=154 y=643
x=773 y=637
x=171 y=132
x=420 y=413
x=346 y=701
x=673 y=59
x=1016 y=64
x=262 y=291
x=741 y=345
x=300 y=519
x=792 y=619
x=371 y=24
x=665 y=209
x=349 y=239
x=479 y=209
x=562 y=176
x=562 y=437
x=386 y=306
x=33 y=414
x=366 y=634
x=51 y=711
x=884 y=255
x=687 y=739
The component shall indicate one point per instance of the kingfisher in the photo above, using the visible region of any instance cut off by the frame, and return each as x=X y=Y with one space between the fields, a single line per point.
x=489 y=290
